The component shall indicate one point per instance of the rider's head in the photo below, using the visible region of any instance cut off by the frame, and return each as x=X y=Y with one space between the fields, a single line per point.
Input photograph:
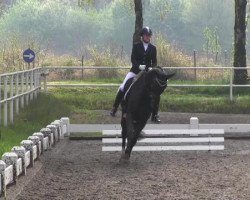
x=146 y=34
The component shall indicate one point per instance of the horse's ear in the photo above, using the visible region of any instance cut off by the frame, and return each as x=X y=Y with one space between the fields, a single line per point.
x=170 y=75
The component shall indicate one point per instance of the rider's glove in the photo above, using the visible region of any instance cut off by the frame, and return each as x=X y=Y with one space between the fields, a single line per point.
x=142 y=67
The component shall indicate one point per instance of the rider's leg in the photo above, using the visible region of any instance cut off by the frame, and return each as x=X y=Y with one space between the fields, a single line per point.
x=117 y=102
x=120 y=93
x=155 y=117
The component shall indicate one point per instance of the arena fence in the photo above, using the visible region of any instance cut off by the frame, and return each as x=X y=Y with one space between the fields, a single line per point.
x=19 y=88
x=190 y=71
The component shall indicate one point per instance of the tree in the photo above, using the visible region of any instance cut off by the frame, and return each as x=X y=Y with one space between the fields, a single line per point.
x=138 y=21
x=240 y=75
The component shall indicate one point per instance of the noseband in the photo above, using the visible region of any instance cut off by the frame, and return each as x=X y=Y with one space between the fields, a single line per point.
x=161 y=83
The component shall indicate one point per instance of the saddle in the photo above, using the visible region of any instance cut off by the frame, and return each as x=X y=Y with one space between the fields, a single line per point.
x=131 y=83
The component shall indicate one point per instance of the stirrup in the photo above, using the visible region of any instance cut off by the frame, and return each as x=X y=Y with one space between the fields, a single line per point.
x=156 y=119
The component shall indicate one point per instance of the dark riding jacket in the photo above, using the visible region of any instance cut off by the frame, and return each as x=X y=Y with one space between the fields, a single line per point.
x=141 y=57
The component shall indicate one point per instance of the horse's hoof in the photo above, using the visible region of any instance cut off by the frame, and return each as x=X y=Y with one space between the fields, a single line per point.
x=124 y=159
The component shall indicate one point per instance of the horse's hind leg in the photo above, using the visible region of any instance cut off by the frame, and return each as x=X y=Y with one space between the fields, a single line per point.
x=124 y=137
x=124 y=133
x=127 y=126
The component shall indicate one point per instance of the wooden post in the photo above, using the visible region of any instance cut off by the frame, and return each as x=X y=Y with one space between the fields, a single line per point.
x=122 y=52
x=22 y=89
x=82 y=66
x=11 y=100
x=216 y=57
x=5 y=103
x=195 y=71
x=17 y=93
x=45 y=83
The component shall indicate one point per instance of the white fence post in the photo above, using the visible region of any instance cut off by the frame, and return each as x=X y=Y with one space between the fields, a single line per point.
x=27 y=88
x=22 y=89
x=31 y=84
x=5 y=103
x=35 y=83
x=11 y=100
x=13 y=91
x=17 y=93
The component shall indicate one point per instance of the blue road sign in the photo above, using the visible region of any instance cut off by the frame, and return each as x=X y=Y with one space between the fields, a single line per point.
x=29 y=55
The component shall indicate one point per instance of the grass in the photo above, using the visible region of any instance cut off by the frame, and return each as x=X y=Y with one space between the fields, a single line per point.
x=207 y=100
x=31 y=119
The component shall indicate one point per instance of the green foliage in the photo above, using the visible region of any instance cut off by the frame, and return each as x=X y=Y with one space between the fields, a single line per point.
x=211 y=37
x=168 y=56
x=66 y=27
x=85 y=3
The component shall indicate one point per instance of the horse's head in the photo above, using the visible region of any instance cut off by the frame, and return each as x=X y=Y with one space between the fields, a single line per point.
x=156 y=82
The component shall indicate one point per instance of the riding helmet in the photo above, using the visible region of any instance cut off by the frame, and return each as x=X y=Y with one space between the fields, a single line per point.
x=146 y=31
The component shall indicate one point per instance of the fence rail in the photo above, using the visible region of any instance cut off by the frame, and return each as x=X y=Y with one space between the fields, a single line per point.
x=17 y=88
x=230 y=85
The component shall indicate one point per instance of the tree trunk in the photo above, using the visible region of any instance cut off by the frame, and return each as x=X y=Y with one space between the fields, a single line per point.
x=138 y=21
x=240 y=75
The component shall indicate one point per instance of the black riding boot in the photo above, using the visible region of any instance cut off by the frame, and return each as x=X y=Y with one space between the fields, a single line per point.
x=155 y=117
x=117 y=102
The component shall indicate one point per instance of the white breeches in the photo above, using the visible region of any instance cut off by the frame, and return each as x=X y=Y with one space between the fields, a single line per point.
x=128 y=76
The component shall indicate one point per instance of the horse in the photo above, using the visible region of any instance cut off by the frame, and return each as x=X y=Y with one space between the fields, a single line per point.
x=141 y=95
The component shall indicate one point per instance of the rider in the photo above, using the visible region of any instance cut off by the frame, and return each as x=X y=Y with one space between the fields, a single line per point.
x=143 y=57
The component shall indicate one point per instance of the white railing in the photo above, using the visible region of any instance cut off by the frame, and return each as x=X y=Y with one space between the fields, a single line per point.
x=19 y=87
x=230 y=85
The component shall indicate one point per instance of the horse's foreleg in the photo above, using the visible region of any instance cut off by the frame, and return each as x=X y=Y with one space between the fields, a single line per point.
x=133 y=136
x=138 y=130
x=131 y=143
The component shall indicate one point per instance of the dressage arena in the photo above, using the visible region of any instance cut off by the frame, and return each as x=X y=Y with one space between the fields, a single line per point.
x=80 y=170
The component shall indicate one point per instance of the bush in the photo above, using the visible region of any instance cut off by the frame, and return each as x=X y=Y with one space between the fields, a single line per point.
x=105 y=58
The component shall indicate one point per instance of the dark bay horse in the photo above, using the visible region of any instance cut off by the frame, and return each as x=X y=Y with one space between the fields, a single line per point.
x=140 y=98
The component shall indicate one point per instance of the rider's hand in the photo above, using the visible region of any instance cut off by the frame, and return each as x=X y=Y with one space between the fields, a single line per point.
x=142 y=67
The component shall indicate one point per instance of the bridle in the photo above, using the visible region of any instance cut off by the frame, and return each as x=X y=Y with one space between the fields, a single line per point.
x=161 y=83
